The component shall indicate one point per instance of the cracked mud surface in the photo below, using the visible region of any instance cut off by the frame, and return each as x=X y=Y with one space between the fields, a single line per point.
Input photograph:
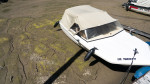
x=33 y=52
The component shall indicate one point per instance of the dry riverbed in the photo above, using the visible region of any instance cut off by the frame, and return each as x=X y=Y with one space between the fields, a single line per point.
x=33 y=52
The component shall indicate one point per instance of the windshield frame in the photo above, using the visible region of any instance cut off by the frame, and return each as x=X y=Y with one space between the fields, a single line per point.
x=118 y=28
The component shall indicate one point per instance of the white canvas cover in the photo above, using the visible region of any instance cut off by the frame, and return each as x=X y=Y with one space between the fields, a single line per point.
x=86 y=17
x=144 y=3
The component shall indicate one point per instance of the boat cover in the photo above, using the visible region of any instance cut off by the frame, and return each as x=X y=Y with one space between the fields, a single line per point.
x=143 y=3
x=86 y=17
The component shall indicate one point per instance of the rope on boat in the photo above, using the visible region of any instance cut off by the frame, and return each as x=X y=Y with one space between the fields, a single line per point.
x=128 y=70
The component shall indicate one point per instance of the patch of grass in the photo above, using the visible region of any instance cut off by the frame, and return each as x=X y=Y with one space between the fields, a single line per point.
x=40 y=49
x=25 y=42
x=70 y=47
x=42 y=24
x=45 y=23
x=81 y=64
x=22 y=37
x=41 y=66
x=43 y=39
x=3 y=39
x=2 y=20
x=58 y=47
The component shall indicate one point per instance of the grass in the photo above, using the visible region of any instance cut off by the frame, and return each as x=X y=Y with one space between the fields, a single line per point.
x=3 y=39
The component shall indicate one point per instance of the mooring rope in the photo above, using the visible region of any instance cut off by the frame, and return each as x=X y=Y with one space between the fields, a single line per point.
x=128 y=70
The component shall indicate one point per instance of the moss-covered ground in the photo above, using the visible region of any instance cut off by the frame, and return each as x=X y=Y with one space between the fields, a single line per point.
x=32 y=51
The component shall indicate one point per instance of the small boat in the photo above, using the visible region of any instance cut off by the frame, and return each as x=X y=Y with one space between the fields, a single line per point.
x=96 y=31
x=141 y=6
x=142 y=76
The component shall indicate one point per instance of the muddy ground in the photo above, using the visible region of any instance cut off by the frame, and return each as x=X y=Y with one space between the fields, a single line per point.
x=33 y=52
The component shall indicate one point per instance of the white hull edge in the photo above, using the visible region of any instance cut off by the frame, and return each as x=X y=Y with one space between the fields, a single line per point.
x=107 y=48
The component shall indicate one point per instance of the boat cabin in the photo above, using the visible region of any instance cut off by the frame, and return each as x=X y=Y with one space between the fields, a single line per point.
x=90 y=24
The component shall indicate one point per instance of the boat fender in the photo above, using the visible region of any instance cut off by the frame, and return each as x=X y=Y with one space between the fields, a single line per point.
x=56 y=24
x=89 y=54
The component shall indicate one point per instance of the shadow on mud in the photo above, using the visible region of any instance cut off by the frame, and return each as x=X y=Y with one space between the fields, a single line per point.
x=58 y=29
x=64 y=67
x=114 y=67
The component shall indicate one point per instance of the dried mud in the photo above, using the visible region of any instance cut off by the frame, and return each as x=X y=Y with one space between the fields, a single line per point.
x=33 y=52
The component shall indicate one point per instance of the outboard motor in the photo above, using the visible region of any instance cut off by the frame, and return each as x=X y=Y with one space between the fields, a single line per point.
x=56 y=24
x=89 y=54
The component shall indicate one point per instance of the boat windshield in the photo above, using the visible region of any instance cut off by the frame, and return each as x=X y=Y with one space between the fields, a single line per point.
x=104 y=30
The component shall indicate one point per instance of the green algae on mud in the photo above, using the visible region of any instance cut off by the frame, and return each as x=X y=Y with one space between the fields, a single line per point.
x=41 y=41
x=3 y=39
x=81 y=64
x=44 y=23
x=47 y=22
x=2 y=20
x=41 y=66
x=58 y=47
x=40 y=48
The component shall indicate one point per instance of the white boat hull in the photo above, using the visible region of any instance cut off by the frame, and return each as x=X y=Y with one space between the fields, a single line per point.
x=118 y=49
x=140 y=10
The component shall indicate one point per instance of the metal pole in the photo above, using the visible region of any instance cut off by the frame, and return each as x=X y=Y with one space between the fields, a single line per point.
x=133 y=30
